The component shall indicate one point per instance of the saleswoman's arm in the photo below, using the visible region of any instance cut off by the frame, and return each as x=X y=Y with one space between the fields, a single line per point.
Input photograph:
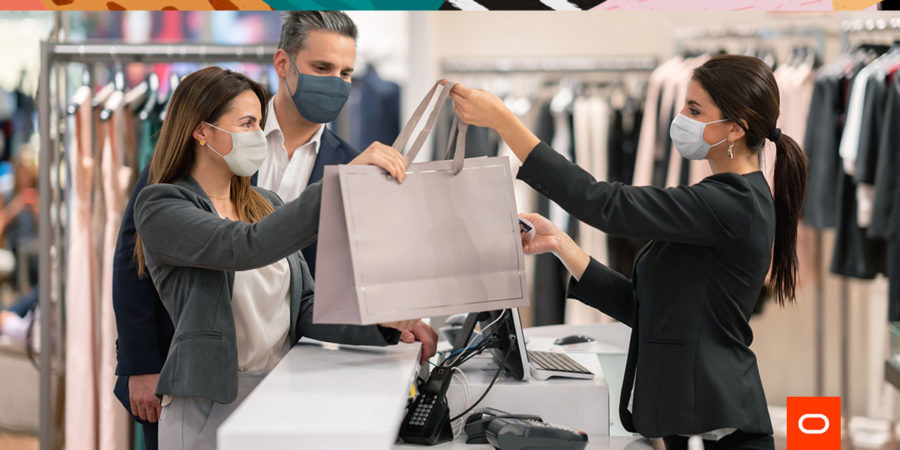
x=713 y=212
x=592 y=283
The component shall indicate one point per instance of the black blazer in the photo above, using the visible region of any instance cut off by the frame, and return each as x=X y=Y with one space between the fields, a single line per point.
x=144 y=328
x=690 y=300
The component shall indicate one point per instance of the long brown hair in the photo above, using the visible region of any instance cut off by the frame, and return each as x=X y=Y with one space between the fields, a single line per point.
x=745 y=90
x=203 y=96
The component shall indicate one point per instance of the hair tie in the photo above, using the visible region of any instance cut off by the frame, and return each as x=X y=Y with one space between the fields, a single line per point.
x=775 y=135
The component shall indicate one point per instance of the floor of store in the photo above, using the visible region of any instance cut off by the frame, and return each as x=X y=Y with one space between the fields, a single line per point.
x=18 y=442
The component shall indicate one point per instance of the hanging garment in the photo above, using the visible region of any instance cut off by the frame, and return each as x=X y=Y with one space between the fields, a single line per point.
x=550 y=276
x=648 y=141
x=821 y=140
x=591 y=132
x=114 y=421
x=855 y=254
x=81 y=345
x=868 y=145
x=149 y=135
x=888 y=166
x=374 y=109
x=887 y=195
x=131 y=139
x=623 y=141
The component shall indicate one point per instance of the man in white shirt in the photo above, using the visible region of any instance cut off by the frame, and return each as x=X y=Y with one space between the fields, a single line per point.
x=314 y=61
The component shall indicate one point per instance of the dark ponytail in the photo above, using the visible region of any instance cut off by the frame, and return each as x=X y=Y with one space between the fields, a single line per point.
x=744 y=89
x=790 y=191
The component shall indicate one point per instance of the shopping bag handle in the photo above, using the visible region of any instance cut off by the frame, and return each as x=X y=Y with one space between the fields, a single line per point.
x=457 y=128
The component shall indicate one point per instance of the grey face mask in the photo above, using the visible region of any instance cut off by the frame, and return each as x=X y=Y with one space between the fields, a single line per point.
x=319 y=99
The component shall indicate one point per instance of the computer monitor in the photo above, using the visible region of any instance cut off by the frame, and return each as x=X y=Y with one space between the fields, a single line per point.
x=510 y=354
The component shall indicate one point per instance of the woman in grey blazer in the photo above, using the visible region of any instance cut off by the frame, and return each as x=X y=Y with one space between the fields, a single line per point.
x=225 y=256
x=690 y=370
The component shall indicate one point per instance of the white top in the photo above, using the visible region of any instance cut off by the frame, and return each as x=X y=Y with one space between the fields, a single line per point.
x=852 y=128
x=286 y=177
x=262 y=315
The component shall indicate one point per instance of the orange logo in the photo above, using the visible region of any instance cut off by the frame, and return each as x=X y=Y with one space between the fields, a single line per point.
x=814 y=423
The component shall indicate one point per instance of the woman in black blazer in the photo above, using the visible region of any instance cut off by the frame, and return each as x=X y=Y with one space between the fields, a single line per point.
x=690 y=370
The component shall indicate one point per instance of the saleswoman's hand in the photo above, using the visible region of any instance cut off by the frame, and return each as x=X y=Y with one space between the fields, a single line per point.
x=548 y=238
x=483 y=109
x=385 y=157
x=479 y=107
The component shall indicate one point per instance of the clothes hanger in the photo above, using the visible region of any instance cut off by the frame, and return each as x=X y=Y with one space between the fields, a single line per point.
x=136 y=96
x=117 y=96
x=112 y=104
x=152 y=96
x=174 y=79
x=103 y=94
x=80 y=93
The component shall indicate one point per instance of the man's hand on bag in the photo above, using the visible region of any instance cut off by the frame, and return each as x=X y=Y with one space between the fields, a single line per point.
x=385 y=157
x=423 y=333
x=142 y=395
x=478 y=107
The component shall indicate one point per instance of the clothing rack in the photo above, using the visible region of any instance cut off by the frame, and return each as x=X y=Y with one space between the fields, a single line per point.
x=762 y=33
x=51 y=103
x=550 y=65
x=860 y=26
x=856 y=27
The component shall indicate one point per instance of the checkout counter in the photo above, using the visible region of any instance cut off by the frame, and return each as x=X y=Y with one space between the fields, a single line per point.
x=341 y=397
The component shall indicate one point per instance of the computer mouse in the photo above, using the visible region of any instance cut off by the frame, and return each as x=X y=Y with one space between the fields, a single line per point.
x=573 y=339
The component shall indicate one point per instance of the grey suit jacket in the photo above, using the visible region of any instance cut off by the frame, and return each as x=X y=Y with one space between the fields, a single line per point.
x=192 y=255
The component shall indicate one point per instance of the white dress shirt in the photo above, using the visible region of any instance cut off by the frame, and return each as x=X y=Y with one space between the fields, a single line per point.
x=285 y=176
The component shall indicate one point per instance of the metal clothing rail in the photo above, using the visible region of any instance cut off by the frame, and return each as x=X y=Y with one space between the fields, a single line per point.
x=550 y=65
x=866 y=27
x=51 y=192
x=762 y=33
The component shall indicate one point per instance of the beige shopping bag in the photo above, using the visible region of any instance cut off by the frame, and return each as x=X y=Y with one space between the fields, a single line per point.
x=446 y=241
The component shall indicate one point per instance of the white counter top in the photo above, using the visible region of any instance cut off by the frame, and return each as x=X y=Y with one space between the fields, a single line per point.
x=320 y=397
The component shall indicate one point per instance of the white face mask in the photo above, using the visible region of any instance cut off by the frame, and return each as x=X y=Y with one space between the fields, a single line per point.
x=248 y=150
x=687 y=135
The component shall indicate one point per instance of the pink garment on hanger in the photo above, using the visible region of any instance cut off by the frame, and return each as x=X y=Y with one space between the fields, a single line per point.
x=114 y=420
x=643 y=166
x=81 y=344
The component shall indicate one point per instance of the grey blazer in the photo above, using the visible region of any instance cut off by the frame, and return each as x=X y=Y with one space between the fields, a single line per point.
x=192 y=254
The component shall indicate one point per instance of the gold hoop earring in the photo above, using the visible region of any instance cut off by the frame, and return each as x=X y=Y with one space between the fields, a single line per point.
x=730 y=152
x=202 y=142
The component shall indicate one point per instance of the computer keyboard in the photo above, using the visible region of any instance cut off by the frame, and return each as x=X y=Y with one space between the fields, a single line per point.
x=556 y=362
